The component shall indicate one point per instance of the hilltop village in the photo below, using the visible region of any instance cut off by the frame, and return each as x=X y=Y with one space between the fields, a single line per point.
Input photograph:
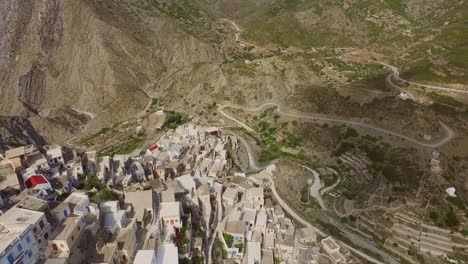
x=179 y=201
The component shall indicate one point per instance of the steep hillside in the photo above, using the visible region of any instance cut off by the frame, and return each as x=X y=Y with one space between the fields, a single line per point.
x=425 y=36
x=100 y=57
x=108 y=59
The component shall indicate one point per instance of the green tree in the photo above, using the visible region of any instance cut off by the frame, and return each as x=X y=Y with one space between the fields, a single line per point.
x=228 y=239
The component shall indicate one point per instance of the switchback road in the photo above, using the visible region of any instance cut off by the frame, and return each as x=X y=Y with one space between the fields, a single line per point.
x=396 y=75
x=449 y=133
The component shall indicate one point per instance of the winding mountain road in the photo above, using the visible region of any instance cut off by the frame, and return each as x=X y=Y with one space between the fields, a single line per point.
x=449 y=133
x=314 y=189
x=354 y=238
x=238 y=32
x=253 y=166
x=396 y=75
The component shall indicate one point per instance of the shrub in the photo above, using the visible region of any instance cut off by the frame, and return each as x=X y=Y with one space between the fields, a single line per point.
x=465 y=232
x=391 y=174
x=91 y=182
x=457 y=201
x=102 y=196
x=376 y=155
x=434 y=215
x=350 y=132
x=343 y=148
x=228 y=239
x=452 y=219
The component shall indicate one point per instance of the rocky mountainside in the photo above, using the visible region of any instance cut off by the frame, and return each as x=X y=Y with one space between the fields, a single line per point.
x=67 y=63
x=89 y=55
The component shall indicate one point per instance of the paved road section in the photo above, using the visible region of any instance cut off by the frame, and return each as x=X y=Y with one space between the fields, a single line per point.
x=396 y=75
x=449 y=133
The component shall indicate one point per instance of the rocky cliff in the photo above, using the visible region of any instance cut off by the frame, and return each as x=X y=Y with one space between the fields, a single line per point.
x=90 y=56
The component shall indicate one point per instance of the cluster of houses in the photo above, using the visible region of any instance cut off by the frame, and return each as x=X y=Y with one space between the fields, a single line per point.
x=256 y=230
x=44 y=215
x=165 y=204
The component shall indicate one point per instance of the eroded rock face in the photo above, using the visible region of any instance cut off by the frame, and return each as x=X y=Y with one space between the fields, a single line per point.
x=51 y=32
x=31 y=87
x=15 y=17
x=16 y=131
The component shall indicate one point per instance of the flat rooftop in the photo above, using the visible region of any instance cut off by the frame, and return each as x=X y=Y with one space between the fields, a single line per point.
x=169 y=209
x=235 y=227
x=36 y=158
x=145 y=256
x=140 y=200
x=255 y=192
x=31 y=203
x=167 y=196
x=17 y=215
x=230 y=193
x=76 y=198
x=16 y=152
x=54 y=152
x=338 y=257
x=58 y=207
x=65 y=229
x=8 y=176
x=306 y=232
x=330 y=242
x=166 y=254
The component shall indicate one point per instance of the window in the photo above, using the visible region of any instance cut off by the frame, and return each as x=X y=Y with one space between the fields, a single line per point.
x=236 y=238
x=41 y=224
x=73 y=238
x=28 y=239
x=19 y=247
x=79 y=228
x=11 y=259
x=62 y=246
x=46 y=236
x=35 y=229
x=54 y=247
x=29 y=254
x=65 y=213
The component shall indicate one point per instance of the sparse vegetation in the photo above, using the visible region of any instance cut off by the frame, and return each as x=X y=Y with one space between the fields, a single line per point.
x=125 y=147
x=91 y=182
x=343 y=148
x=350 y=133
x=94 y=136
x=174 y=119
x=153 y=106
x=102 y=196
x=457 y=201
